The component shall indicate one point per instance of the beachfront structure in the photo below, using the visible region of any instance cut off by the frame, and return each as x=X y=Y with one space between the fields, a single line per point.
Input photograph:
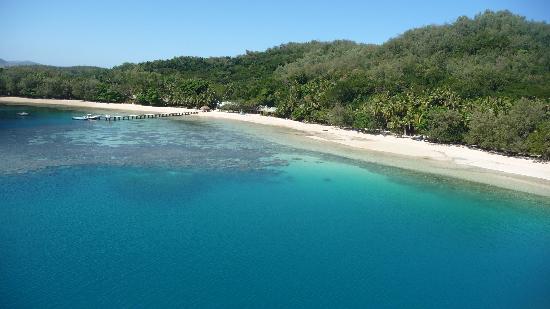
x=267 y=111
x=221 y=104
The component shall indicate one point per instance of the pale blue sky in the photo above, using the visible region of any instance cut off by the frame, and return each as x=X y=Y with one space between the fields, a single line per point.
x=107 y=33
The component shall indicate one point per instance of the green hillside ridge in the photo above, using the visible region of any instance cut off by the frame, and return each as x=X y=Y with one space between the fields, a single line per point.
x=483 y=81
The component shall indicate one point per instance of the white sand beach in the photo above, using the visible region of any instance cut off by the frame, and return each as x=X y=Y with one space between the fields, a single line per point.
x=451 y=160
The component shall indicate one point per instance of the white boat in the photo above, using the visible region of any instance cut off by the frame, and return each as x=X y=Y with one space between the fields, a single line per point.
x=23 y=114
x=88 y=117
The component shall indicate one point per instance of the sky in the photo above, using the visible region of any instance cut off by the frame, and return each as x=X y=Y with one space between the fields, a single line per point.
x=109 y=33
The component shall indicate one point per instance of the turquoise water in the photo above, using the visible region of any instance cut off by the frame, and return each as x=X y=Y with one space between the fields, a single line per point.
x=194 y=213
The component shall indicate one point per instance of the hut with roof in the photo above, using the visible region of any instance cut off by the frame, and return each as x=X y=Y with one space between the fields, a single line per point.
x=267 y=111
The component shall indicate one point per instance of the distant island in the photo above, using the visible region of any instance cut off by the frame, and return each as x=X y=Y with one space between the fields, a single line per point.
x=483 y=81
x=5 y=63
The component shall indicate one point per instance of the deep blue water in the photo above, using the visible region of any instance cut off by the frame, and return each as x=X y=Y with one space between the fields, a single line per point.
x=195 y=213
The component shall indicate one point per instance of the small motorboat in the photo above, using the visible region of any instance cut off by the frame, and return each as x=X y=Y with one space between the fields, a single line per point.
x=87 y=117
x=23 y=114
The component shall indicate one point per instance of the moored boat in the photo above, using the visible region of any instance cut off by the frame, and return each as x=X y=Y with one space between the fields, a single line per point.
x=87 y=117
x=23 y=114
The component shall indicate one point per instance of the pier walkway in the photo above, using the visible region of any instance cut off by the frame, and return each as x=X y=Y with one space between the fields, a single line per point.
x=145 y=116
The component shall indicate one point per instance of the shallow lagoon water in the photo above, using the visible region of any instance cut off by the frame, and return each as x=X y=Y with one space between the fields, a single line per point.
x=195 y=213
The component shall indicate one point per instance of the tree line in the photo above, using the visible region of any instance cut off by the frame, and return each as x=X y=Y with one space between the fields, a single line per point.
x=481 y=81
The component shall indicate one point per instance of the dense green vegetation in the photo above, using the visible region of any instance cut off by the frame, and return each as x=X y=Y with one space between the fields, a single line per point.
x=482 y=81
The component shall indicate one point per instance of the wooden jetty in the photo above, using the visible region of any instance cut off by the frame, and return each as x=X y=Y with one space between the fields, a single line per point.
x=146 y=116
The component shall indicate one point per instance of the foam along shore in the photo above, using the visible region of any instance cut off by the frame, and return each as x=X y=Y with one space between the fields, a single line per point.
x=459 y=161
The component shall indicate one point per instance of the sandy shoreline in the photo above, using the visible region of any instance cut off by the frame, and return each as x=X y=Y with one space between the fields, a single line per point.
x=507 y=172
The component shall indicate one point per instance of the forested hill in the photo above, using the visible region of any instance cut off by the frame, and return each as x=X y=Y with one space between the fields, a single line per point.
x=493 y=54
x=482 y=81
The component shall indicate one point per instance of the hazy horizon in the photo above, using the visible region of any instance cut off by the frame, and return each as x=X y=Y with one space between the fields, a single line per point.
x=64 y=33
